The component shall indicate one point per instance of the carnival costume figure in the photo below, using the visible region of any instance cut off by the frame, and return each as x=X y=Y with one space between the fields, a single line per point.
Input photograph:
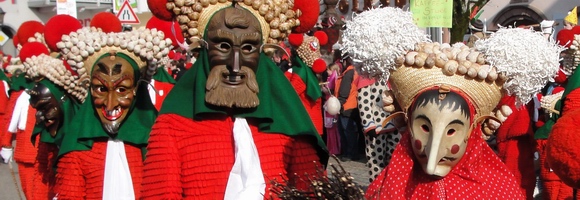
x=233 y=122
x=447 y=95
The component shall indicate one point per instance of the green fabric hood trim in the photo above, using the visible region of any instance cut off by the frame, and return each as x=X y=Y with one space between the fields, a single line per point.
x=69 y=107
x=573 y=84
x=308 y=77
x=134 y=129
x=280 y=109
x=20 y=82
x=3 y=77
x=162 y=76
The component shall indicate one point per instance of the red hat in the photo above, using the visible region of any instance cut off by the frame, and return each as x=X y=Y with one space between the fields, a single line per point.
x=32 y=49
x=27 y=30
x=58 y=26
x=107 y=21
x=15 y=40
x=309 y=16
x=175 y=35
x=159 y=9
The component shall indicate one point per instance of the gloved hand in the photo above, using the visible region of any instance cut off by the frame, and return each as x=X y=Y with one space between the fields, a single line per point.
x=372 y=133
x=6 y=154
x=547 y=26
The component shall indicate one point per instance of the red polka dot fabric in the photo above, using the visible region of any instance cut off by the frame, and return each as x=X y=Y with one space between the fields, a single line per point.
x=479 y=175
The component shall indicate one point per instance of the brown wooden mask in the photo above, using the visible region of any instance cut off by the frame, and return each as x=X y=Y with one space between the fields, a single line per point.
x=234 y=39
x=439 y=124
x=113 y=91
x=48 y=108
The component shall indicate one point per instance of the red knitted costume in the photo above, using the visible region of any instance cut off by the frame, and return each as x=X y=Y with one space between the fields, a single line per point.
x=25 y=155
x=314 y=108
x=5 y=136
x=190 y=159
x=44 y=176
x=515 y=145
x=80 y=174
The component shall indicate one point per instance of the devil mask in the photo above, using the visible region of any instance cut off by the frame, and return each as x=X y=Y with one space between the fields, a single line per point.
x=440 y=123
x=234 y=39
x=48 y=109
x=113 y=91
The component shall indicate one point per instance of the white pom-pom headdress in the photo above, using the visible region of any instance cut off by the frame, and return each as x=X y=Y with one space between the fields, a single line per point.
x=516 y=62
x=45 y=66
x=84 y=47
x=378 y=36
x=525 y=57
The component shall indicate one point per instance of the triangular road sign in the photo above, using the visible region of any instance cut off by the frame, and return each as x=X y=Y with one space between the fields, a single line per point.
x=3 y=38
x=126 y=14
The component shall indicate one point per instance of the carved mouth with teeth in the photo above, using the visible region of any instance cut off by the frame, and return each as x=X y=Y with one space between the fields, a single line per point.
x=112 y=115
x=233 y=78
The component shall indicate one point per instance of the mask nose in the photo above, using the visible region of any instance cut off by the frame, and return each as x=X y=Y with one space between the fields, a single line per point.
x=433 y=151
x=235 y=67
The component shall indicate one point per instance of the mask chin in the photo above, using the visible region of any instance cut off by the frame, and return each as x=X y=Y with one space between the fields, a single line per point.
x=111 y=128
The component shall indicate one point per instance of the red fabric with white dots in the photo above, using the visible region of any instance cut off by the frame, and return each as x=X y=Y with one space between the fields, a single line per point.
x=479 y=175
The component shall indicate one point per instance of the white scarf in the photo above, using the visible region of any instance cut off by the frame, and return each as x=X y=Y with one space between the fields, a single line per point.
x=118 y=183
x=246 y=179
x=20 y=114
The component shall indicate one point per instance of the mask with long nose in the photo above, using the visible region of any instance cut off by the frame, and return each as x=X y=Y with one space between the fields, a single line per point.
x=113 y=91
x=440 y=124
x=234 y=41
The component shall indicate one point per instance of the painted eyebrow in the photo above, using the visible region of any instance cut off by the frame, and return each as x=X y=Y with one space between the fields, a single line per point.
x=457 y=122
x=423 y=117
x=117 y=69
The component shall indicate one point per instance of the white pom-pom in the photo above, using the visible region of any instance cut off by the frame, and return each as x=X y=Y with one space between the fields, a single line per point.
x=526 y=58
x=377 y=43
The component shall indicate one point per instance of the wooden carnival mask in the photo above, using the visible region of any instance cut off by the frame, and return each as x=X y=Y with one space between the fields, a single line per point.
x=439 y=124
x=234 y=40
x=48 y=108
x=113 y=91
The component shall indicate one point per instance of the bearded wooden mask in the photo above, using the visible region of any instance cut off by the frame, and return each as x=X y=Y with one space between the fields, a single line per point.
x=440 y=125
x=48 y=108
x=234 y=39
x=113 y=91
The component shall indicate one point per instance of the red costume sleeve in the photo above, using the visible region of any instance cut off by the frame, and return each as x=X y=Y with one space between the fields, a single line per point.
x=517 y=124
x=163 y=164
x=314 y=108
x=70 y=181
x=572 y=101
x=5 y=136
x=43 y=180
x=301 y=163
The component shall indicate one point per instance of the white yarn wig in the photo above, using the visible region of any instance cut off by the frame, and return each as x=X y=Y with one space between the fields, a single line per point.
x=527 y=59
x=378 y=36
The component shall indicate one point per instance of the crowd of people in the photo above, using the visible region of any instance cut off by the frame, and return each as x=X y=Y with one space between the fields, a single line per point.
x=241 y=104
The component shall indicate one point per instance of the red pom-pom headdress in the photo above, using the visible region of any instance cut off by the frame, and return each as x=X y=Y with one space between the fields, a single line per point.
x=58 y=26
x=107 y=22
x=27 y=30
x=32 y=49
x=277 y=20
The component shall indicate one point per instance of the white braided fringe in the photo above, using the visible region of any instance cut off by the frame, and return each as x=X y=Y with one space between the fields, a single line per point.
x=378 y=36
x=527 y=59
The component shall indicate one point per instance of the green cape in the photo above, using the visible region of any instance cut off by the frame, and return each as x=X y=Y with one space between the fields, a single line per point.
x=162 y=76
x=312 y=88
x=69 y=107
x=573 y=83
x=134 y=129
x=280 y=109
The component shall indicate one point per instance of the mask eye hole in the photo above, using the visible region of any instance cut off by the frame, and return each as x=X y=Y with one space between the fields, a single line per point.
x=425 y=128
x=450 y=132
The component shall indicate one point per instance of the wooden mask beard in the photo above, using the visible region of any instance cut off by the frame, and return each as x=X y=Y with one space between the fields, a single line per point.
x=234 y=40
x=48 y=108
x=439 y=127
x=113 y=91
